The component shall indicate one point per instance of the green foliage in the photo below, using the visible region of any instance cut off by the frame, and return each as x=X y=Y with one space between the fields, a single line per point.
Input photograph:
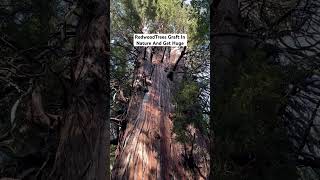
x=260 y=86
x=147 y=9
x=252 y=141
x=172 y=16
x=188 y=111
x=165 y=16
x=199 y=26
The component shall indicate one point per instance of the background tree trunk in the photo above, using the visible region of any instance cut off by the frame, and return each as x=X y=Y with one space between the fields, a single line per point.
x=228 y=54
x=84 y=146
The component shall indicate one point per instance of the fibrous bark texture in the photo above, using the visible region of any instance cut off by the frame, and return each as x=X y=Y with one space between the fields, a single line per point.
x=83 y=147
x=148 y=149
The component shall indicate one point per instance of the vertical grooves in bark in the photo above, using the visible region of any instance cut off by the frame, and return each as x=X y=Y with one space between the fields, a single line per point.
x=143 y=142
x=147 y=149
x=83 y=147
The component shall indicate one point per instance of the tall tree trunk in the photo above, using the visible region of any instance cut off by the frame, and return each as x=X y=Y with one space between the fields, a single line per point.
x=147 y=149
x=84 y=138
x=228 y=53
x=225 y=20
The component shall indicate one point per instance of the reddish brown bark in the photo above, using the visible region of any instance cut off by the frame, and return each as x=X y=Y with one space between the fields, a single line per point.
x=83 y=147
x=147 y=149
